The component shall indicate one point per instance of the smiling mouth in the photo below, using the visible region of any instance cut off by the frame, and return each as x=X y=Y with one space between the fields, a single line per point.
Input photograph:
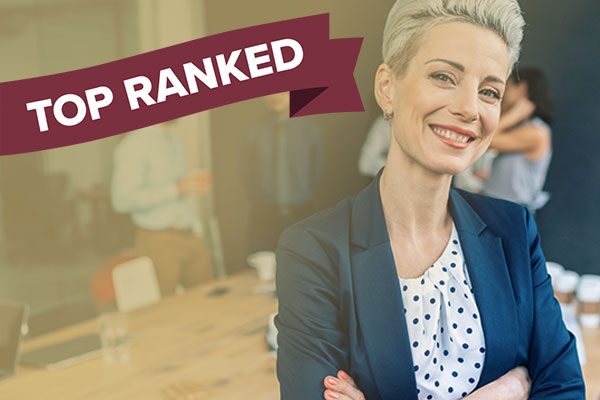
x=453 y=137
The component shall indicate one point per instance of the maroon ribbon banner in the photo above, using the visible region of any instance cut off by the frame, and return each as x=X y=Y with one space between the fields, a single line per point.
x=97 y=102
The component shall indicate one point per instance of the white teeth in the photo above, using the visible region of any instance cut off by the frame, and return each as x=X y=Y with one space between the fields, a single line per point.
x=451 y=135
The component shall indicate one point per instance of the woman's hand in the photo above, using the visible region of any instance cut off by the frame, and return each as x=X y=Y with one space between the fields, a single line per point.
x=341 y=387
x=514 y=385
x=522 y=110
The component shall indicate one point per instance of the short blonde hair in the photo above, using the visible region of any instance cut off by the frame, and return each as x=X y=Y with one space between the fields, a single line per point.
x=408 y=20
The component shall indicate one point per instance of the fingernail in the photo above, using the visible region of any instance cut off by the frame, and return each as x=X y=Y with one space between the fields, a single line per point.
x=344 y=376
x=333 y=395
x=332 y=381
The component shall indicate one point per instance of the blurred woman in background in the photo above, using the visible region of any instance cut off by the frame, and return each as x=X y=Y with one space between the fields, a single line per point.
x=523 y=140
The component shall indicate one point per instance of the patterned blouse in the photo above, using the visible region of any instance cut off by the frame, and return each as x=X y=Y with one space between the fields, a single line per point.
x=447 y=343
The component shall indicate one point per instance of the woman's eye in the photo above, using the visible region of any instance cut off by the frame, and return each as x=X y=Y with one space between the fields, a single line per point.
x=442 y=77
x=491 y=93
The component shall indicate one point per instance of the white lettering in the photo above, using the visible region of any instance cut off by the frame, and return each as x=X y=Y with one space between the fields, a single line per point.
x=94 y=104
x=254 y=62
x=142 y=93
x=282 y=65
x=61 y=117
x=228 y=67
x=39 y=107
x=167 y=76
x=208 y=77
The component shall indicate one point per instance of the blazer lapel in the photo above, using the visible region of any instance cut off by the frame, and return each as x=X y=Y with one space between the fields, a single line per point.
x=379 y=303
x=492 y=287
x=378 y=299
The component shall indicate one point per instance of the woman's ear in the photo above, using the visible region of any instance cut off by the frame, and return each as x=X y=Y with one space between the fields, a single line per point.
x=384 y=84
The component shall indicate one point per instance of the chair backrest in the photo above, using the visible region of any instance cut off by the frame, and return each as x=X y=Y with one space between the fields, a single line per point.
x=103 y=289
x=135 y=284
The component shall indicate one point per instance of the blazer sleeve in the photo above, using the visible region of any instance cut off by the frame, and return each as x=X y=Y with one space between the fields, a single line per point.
x=311 y=344
x=554 y=366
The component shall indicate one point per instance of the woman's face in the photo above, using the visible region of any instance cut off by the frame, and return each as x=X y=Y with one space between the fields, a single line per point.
x=446 y=104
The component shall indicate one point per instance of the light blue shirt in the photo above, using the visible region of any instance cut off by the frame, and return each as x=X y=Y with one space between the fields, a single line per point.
x=147 y=165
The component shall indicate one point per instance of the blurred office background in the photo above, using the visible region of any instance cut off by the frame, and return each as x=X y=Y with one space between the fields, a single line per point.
x=57 y=227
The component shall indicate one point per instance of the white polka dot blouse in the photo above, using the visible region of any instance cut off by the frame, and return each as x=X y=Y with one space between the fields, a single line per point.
x=447 y=343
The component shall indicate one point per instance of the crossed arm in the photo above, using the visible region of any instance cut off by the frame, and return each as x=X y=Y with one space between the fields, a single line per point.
x=514 y=385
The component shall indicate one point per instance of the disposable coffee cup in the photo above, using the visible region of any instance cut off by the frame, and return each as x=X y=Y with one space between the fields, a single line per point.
x=588 y=295
x=590 y=279
x=555 y=270
x=565 y=287
x=264 y=263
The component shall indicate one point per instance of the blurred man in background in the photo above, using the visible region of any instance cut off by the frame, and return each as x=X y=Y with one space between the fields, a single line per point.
x=282 y=168
x=150 y=183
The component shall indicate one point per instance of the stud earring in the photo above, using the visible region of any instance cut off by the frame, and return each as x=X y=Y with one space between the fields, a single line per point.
x=387 y=116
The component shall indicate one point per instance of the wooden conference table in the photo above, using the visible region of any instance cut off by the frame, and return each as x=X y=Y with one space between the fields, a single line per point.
x=191 y=346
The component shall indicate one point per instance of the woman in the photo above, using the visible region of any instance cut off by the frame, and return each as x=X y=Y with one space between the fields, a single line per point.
x=410 y=289
x=523 y=139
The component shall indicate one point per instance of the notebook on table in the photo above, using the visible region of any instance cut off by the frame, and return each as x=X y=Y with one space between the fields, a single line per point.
x=13 y=316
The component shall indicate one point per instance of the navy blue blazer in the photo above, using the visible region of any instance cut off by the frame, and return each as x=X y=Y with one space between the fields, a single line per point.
x=340 y=305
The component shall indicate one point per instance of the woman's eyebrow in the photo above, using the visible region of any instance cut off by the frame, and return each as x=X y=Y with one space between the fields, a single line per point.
x=459 y=67
x=451 y=63
x=493 y=78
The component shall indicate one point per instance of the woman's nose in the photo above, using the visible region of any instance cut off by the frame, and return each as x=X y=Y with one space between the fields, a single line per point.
x=466 y=104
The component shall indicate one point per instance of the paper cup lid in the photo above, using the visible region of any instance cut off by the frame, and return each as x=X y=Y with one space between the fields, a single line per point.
x=554 y=269
x=589 y=279
x=566 y=282
x=589 y=290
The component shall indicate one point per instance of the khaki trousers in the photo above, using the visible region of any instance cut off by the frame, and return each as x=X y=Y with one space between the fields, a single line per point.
x=179 y=257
